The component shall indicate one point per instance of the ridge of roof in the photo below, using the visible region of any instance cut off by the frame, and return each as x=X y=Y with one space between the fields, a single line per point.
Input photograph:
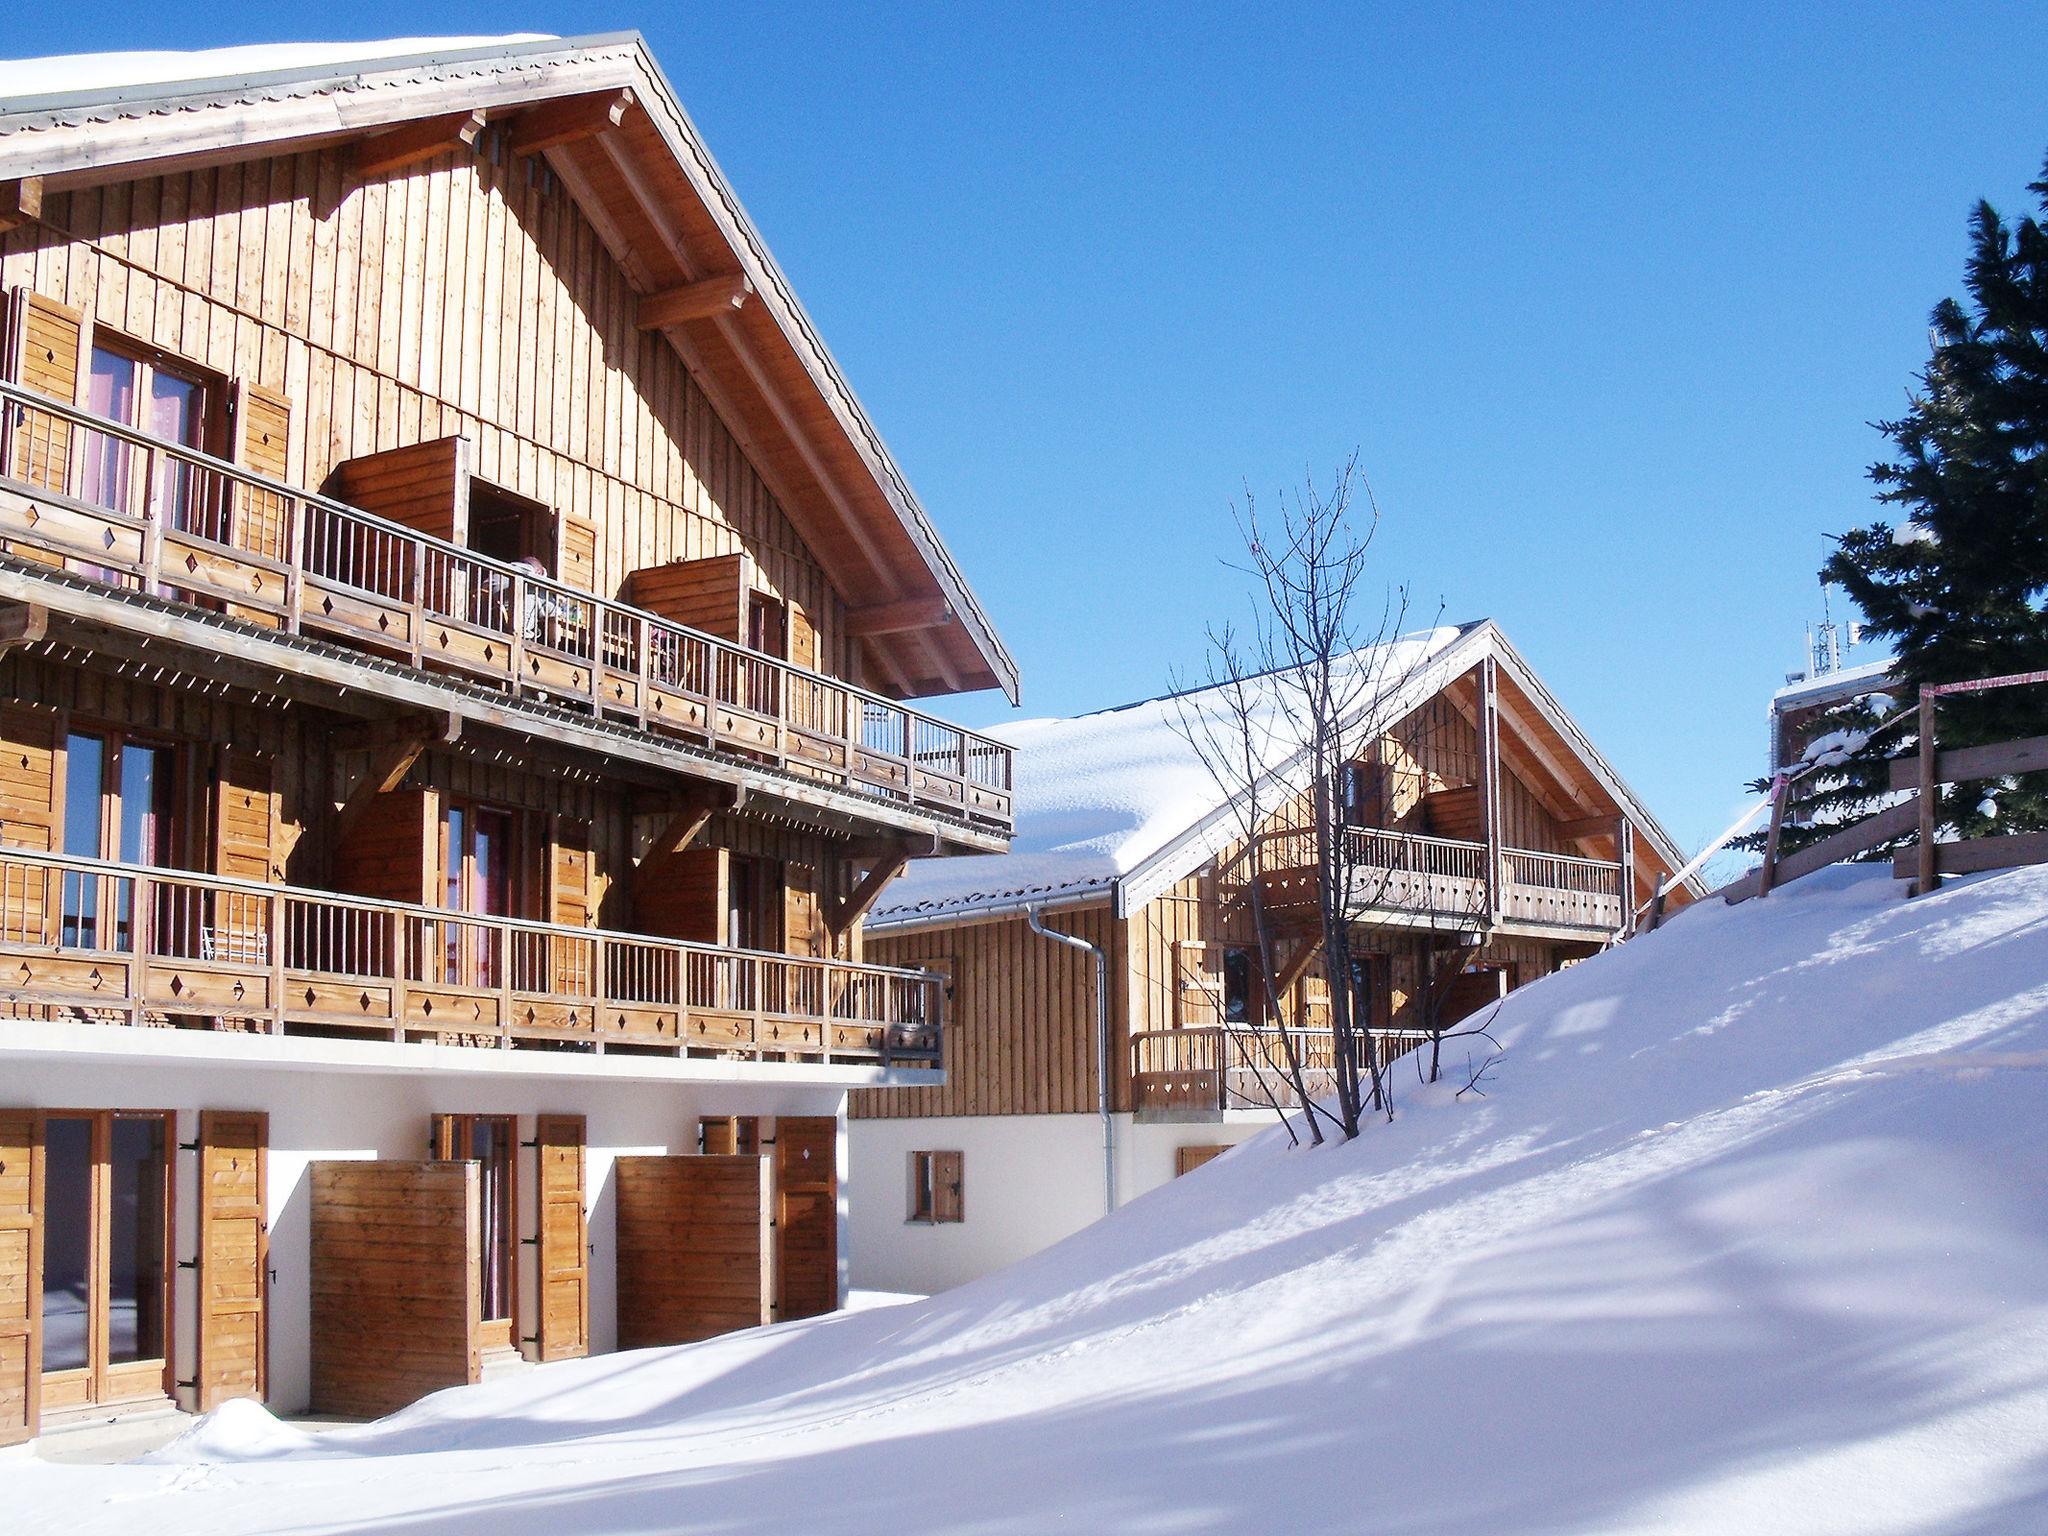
x=359 y=66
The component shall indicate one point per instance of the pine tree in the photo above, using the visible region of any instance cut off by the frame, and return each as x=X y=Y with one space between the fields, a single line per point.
x=1959 y=585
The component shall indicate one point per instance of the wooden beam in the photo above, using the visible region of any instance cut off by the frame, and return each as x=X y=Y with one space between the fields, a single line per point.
x=1928 y=874
x=693 y=301
x=22 y=624
x=688 y=815
x=21 y=202
x=1977 y=853
x=401 y=744
x=1992 y=761
x=568 y=120
x=1305 y=949
x=840 y=916
x=384 y=153
x=897 y=617
x=1581 y=828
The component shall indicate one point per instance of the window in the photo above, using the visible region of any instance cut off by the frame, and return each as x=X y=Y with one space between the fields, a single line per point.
x=478 y=866
x=119 y=803
x=488 y=1140
x=1358 y=794
x=138 y=388
x=935 y=1187
x=1237 y=986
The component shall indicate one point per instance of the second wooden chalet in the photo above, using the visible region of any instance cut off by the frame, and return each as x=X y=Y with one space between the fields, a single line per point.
x=1494 y=844
x=457 y=636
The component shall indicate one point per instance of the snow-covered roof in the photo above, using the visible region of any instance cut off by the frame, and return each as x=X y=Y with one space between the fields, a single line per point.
x=1098 y=795
x=1119 y=803
x=1842 y=683
x=99 y=73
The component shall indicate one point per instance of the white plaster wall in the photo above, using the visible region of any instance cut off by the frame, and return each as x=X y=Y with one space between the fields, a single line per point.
x=317 y=1114
x=1027 y=1182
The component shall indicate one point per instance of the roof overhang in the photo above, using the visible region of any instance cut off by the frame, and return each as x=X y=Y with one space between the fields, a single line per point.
x=666 y=213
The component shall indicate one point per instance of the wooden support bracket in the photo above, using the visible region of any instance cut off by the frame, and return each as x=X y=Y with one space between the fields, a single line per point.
x=1305 y=949
x=568 y=120
x=394 y=745
x=693 y=301
x=688 y=815
x=22 y=624
x=899 y=617
x=842 y=914
x=422 y=140
x=21 y=202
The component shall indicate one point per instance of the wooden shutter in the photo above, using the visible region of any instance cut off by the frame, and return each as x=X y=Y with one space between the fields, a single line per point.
x=803 y=915
x=46 y=343
x=708 y=595
x=571 y=901
x=245 y=817
x=564 y=1242
x=263 y=421
x=21 y=1272
x=1188 y=1159
x=234 y=1241
x=949 y=1200
x=803 y=639
x=689 y=900
x=579 y=554
x=806 y=1215
x=393 y=849
x=29 y=791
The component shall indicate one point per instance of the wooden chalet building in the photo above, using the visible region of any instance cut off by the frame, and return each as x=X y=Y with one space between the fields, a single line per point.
x=456 y=623
x=1495 y=845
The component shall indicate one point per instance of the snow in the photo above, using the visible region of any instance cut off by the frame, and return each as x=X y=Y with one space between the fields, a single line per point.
x=1097 y=795
x=1745 y=1236
x=75 y=73
x=1834 y=748
x=1843 y=678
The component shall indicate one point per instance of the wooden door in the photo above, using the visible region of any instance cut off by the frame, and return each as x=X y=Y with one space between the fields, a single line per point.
x=696 y=1251
x=806 y=1215
x=395 y=1283
x=234 y=1242
x=564 y=1239
x=21 y=1277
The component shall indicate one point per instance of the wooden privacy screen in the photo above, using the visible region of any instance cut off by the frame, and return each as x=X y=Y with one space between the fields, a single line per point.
x=233 y=1244
x=564 y=1242
x=21 y=1278
x=696 y=1256
x=396 y=1282
x=806 y=1215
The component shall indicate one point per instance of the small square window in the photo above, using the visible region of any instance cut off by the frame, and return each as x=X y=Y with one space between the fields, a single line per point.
x=935 y=1193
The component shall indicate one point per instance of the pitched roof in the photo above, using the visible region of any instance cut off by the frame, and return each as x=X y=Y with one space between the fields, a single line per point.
x=660 y=205
x=1118 y=805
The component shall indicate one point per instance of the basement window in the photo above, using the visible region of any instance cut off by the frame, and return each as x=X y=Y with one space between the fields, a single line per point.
x=935 y=1194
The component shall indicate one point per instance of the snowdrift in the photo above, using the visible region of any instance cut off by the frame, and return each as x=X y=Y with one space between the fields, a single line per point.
x=1748 y=1234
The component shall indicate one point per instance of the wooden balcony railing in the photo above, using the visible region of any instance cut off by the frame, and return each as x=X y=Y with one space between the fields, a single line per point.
x=1445 y=879
x=1199 y=1072
x=136 y=511
x=121 y=943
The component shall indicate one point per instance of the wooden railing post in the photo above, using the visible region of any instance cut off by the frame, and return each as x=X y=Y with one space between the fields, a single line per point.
x=1927 y=874
x=274 y=932
x=1489 y=784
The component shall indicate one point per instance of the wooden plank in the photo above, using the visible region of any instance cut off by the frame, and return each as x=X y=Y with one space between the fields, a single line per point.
x=806 y=1215
x=564 y=1260
x=393 y=1316
x=1976 y=854
x=234 y=1226
x=1992 y=761
x=21 y=1273
x=1893 y=821
x=696 y=1252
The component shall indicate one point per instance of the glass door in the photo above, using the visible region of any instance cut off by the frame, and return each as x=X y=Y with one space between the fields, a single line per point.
x=106 y=1258
x=479 y=861
x=489 y=1141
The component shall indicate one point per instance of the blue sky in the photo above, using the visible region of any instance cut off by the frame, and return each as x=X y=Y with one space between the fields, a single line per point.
x=1605 y=298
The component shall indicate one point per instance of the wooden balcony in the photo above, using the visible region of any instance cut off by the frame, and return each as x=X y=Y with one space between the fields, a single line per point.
x=137 y=512
x=1440 y=882
x=1199 y=1072
x=125 y=944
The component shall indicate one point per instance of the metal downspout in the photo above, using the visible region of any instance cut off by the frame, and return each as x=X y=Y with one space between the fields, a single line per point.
x=1074 y=941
